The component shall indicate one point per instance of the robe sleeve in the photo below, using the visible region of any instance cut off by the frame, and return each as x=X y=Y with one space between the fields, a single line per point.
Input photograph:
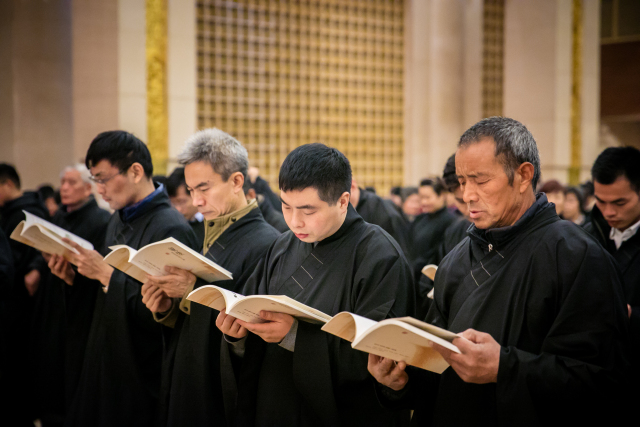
x=6 y=267
x=583 y=358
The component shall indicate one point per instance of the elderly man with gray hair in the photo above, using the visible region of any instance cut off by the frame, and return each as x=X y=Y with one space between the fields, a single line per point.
x=537 y=304
x=63 y=316
x=236 y=237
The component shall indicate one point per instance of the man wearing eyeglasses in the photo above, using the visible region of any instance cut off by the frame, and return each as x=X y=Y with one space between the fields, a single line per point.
x=120 y=378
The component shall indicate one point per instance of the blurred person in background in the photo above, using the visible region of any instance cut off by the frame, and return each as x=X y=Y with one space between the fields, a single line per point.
x=181 y=200
x=410 y=203
x=555 y=194
x=573 y=206
x=48 y=196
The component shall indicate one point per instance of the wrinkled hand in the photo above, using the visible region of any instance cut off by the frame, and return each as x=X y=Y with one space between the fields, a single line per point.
x=230 y=326
x=479 y=359
x=175 y=283
x=91 y=264
x=32 y=281
x=276 y=328
x=388 y=372
x=61 y=268
x=155 y=299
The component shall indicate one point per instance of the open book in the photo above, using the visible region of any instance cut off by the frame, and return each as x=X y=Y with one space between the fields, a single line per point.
x=247 y=308
x=400 y=339
x=430 y=271
x=153 y=258
x=46 y=237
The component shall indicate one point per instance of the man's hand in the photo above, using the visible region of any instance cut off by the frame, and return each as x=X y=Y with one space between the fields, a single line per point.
x=479 y=358
x=91 y=264
x=61 y=268
x=155 y=299
x=175 y=283
x=276 y=328
x=388 y=372
x=230 y=326
x=32 y=281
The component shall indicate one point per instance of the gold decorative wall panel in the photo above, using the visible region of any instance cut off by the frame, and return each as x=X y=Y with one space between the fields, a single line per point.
x=492 y=57
x=576 y=93
x=278 y=74
x=156 y=55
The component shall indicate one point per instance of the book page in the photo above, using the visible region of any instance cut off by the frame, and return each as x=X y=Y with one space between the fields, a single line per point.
x=169 y=252
x=348 y=325
x=55 y=232
x=430 y=271
x=402 y=342
x=214 y=297
x=249 y=309
x=119 y=258
x=427 y=327
x=35 y=238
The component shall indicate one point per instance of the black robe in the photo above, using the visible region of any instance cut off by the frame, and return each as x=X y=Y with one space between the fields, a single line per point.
x=426 y=235
x=628 y=259
x=360 y=269
x=16 y=313
x=551 y=297
x=120 y=380
x=453 y=235
x=272 y=216
x=198 y=231
x=375 y=210
x=192 y=394
x=60 y=335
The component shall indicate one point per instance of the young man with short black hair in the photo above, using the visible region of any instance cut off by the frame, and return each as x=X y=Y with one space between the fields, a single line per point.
x=293 y=373
x=120 y=378
x=615 y=220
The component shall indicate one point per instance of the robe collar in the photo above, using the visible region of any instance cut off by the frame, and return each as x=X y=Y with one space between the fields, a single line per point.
x=538 y=214
x=90 y=203
x=352 y=219
x=130 y=213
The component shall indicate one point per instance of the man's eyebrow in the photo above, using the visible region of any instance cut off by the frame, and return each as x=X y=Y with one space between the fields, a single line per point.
x=473 y=175
x=299 y=207
x=202 y=184
x=622 y=199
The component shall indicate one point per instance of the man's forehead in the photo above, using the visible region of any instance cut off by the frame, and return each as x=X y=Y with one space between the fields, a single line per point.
x=307 y=196
x=101 y=167
x=620 y=188
x=198 y=172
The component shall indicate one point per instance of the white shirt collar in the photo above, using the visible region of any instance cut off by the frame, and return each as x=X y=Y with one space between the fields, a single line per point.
x=622 y=236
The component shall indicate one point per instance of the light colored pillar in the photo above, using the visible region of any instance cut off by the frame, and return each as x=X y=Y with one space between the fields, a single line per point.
x=132 y=86
x=537 y=86
x=181 y=73
x=95 y=71
x=35 y=96
x=443 y=86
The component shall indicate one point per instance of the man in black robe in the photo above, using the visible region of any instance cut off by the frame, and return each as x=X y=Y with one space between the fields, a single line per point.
x=375 y=210
x=427 y=231
x=457 y=231
x=181 y=200
x=63 y=313
x=537 y=302
x=120 y=379
x=17 y=305
x=236 y=238
x=615 y=220
x=292 y=373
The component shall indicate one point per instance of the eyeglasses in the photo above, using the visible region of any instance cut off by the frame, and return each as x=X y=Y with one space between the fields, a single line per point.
x=103 y=181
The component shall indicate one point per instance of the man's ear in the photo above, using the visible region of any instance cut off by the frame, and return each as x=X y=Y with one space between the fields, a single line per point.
x=525 y=171
x=344 y=200
x=138 y=172
x=238 y=181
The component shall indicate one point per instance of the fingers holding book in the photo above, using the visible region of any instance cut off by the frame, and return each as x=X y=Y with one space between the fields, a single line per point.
x=230 y=326
x=388 y=372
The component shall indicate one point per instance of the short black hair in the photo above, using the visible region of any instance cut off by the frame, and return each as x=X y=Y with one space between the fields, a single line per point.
x=121 y=149
x=407 y=192
x=435 y=183
x=175 y=181
x=8 y=172
x=316 y=165
x=45 y=191
x=615 y=162
x=449 y=176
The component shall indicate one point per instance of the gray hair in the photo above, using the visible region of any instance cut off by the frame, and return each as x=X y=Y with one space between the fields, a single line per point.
x=514 y=144
x=225 y=153
x=85 y=175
